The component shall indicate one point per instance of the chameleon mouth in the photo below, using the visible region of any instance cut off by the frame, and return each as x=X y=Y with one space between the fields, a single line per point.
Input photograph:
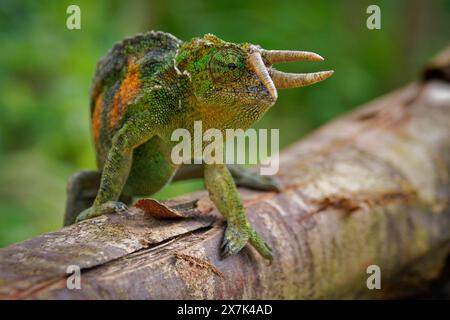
x=274 y=79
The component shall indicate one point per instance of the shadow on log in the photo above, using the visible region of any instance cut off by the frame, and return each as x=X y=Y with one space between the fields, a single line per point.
x=370 y=188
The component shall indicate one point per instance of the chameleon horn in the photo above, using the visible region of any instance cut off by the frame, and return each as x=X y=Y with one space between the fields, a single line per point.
x=285 y=80
x=275 y=56
x=261 y=71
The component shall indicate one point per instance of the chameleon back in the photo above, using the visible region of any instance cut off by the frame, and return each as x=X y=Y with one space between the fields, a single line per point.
x=120 y=74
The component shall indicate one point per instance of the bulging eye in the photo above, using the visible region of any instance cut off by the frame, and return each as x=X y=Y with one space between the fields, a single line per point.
x=227 y=65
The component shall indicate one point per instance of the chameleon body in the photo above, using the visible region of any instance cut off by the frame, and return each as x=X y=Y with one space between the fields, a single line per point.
x=153 y=83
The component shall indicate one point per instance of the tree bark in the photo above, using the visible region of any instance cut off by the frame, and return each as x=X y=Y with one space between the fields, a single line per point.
x=370 y=188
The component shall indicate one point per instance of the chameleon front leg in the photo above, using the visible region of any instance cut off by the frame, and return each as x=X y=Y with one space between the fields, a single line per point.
x=223 y=192
x=82 y=189
x=134 y=132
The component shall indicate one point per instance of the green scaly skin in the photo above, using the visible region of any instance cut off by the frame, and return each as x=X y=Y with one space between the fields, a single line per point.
x=174 y=84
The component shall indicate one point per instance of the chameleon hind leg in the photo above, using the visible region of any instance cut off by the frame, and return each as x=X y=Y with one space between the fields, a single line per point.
x=252 y=179
x=223 y=192
x=243 y=177
x=82 y=189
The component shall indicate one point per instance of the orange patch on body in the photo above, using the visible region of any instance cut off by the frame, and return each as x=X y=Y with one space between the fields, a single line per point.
x=96 y=118
x=127 y=91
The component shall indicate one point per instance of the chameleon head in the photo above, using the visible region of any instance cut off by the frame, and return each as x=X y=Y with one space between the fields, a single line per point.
x=241 y=76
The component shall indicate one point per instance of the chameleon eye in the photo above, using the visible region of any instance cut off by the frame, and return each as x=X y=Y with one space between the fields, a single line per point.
x=226 y=65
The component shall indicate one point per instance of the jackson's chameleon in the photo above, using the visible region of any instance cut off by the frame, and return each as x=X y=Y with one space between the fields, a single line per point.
x=147 y=86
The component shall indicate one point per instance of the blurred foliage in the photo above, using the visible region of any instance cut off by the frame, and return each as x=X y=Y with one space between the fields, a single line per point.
x=46 y=71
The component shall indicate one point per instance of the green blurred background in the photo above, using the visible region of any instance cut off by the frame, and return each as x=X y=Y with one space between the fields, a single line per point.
x=46 y=71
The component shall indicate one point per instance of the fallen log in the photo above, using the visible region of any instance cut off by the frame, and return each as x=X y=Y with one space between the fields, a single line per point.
x=370 y=188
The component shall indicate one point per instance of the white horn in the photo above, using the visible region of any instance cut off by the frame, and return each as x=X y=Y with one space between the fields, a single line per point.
x=261 y=71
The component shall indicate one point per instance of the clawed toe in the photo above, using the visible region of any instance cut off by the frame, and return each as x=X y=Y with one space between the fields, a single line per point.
x=234 y=240
x=261 y=246
x=120 y=208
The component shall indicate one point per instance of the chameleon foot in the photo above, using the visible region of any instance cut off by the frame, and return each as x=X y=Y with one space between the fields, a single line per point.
x=260 y=245
x=253 y=180
x=236 y=238
x=105 y=208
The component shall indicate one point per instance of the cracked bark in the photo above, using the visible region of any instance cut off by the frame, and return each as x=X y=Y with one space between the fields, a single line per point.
x=372 y=187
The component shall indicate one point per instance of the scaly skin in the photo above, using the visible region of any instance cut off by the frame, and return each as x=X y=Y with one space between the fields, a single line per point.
x=146 y=87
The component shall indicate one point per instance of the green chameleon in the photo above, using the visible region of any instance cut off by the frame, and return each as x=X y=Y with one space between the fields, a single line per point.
x=151 y=84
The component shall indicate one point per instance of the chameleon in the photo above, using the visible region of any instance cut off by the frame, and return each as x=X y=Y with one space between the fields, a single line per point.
x=148 y=85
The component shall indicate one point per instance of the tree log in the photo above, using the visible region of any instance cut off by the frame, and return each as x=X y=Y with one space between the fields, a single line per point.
x=370 y=188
